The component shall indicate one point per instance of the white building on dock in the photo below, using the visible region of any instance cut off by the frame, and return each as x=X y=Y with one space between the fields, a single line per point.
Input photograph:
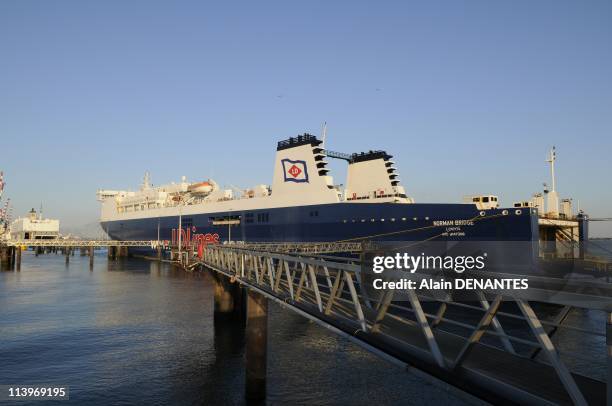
x=34 y=227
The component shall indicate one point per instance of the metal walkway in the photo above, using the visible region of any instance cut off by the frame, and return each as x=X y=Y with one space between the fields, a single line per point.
x=73 y=243
x=305 y=248
x=486 y=361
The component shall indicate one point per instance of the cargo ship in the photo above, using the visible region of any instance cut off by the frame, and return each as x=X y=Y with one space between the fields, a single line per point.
x=304 y=205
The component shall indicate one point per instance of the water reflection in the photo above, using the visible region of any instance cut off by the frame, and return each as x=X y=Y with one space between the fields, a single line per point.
x=142 y=332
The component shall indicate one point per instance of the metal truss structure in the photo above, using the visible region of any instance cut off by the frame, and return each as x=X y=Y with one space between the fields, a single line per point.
x=78 y=243
x=420 y=332
x=300 y=247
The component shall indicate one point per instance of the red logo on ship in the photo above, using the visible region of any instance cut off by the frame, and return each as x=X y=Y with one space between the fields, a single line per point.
x=294 y=171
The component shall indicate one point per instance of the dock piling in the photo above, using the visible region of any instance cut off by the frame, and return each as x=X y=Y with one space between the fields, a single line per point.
x=256 y=345
x=12 y=257
x=609 y=343
x=224 y=298
x=91 y=257
x=67 y=254
x=18 y=259
x=4 y=259
x=112 y=252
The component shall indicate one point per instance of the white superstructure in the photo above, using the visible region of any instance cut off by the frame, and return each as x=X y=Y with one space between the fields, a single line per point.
x=547 y=202
x=34 y=227
x=300 y=178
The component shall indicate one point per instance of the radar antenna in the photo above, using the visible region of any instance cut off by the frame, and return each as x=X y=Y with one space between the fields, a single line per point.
x=146 y=181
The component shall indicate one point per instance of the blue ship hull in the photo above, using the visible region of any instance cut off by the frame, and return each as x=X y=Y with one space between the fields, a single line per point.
x=345 y=221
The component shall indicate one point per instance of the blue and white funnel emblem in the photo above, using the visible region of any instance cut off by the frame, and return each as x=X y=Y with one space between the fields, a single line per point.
x=294 y=171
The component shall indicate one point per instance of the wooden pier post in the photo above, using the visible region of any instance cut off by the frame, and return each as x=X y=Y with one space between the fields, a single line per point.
x=11 y=257
x=4 y=257
x=67 y=254
x=91 y=257
x=256 y=345
x=18 y=259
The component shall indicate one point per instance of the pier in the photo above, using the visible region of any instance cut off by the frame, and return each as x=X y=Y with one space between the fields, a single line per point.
x=10 y=250
x=484 y=361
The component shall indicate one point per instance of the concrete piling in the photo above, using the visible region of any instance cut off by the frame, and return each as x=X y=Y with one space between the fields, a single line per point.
x=256 y=345
x=224 y=299
x=230 y=300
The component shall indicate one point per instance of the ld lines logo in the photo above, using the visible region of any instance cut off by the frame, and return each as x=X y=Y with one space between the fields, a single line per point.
x=294 y=171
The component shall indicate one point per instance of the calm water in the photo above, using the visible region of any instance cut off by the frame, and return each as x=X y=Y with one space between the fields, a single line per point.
x=137 y=332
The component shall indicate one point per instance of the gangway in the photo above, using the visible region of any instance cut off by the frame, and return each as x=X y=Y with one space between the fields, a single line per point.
x=487 y=361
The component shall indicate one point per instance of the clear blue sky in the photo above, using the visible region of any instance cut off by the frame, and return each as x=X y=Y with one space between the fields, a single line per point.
x=468 y=96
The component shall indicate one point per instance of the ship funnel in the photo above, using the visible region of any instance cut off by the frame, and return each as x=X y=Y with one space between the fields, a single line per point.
x=372 y=177
x=300 y=172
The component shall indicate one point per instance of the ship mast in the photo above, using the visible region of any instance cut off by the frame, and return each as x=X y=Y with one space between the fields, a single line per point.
x=553 y=198
x=551 y=161
x=146 y=181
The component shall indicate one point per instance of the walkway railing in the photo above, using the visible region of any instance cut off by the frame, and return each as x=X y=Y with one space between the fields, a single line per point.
x=72 y=243
x=422 y=331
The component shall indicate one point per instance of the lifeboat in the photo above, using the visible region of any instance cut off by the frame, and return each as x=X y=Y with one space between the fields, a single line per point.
x=200 y=188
